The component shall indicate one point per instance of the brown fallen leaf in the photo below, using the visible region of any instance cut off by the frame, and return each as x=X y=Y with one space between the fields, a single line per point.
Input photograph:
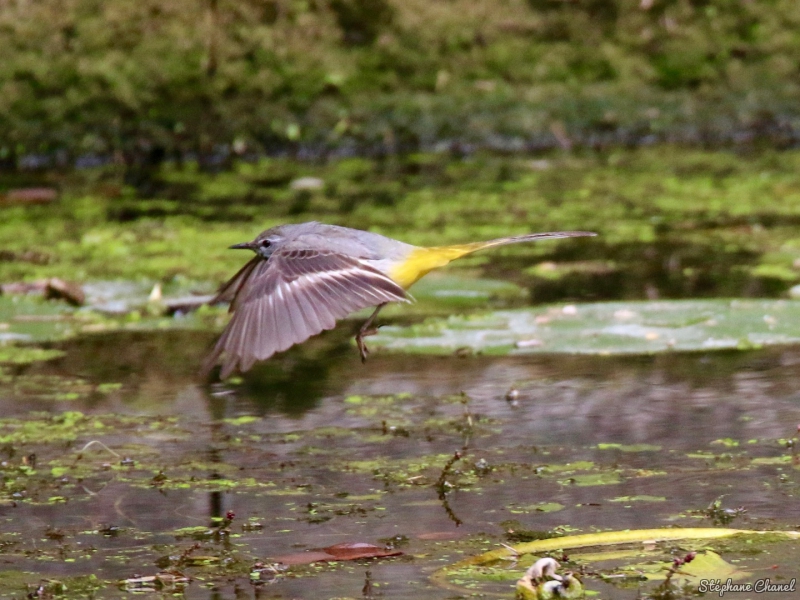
x=354 y=551
x=345 y=551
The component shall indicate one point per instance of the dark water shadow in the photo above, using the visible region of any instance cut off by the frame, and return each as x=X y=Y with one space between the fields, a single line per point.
x=666 y=269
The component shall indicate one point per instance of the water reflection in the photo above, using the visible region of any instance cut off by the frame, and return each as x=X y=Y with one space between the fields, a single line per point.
x=672 y=267
x=343 y=452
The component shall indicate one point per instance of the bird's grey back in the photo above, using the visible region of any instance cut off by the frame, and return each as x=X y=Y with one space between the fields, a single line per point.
x=342 y=240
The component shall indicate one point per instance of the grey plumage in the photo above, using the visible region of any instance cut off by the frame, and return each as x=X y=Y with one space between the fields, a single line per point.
x=307 y=276
x=292 y=295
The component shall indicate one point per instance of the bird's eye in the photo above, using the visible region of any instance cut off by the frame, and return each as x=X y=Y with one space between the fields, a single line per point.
x=265 y=243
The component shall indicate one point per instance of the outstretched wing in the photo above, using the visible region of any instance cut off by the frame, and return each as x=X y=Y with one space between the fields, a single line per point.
x=230 y=291
x=293 y=295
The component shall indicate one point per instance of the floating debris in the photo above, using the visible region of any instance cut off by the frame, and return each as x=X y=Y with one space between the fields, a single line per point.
x=345 y=551
x=164 y=580
x=58 y=289
x=541 y=582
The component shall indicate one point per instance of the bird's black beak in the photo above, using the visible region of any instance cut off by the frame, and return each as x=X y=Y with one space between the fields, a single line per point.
x=242 y=246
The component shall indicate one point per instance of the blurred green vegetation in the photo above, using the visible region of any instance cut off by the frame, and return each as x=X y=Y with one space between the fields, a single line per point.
x=154 y=78
x=672 y=222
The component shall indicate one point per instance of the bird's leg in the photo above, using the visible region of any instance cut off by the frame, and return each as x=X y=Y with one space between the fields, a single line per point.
x=367 y=329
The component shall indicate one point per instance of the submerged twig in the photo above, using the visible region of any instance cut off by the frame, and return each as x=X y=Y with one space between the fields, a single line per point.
x=443 y=487
x=99 y=443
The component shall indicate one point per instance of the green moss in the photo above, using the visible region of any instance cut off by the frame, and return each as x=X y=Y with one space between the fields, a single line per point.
x=19 y=355
x=629 y=447
x=693 y=211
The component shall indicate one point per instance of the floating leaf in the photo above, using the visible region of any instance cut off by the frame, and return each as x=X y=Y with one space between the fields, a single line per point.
x=606 y=328
x=706 y=565
x=647 y=538
x=345 y=551
x=544 y=507
x=644 y=498
x=629 y=447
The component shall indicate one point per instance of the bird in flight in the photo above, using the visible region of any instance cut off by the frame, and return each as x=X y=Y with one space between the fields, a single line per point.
x=305 y=277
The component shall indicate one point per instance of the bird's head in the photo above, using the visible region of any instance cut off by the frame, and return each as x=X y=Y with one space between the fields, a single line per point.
x=264 y=245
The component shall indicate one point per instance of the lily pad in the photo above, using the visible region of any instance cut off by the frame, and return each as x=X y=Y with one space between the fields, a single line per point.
x=606 y=328
x=28 y=319
x=542 y=507
x=706 y=565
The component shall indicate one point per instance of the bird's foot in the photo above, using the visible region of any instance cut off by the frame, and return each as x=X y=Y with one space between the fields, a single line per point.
x=362 y=347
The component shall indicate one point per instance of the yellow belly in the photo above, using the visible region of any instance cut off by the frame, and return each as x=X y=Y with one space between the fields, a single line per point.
x=421 y=261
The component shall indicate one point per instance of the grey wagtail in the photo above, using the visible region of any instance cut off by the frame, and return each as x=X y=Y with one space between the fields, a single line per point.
x=305 y=277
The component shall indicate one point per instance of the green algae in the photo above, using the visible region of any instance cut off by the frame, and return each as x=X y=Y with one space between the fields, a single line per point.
x=642 y=498
x=629 y=447
x=315 y=505
x=686 y=206
x=592 y=479
x=51 y=387
x=64 y=427
x=541 y=507
x=243 y=420
x=19 y=355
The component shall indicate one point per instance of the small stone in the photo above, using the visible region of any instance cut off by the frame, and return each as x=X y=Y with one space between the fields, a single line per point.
x=307 y=183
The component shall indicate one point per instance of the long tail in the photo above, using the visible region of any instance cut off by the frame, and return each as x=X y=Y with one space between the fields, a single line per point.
x=464 y=249
x=423 y=260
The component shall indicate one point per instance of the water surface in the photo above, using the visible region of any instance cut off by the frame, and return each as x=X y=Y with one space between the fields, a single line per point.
x=313 y=449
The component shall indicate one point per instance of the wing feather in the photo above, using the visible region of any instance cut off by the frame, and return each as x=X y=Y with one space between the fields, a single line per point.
x=295 y=294
x=323 y=307
x=310 y=317
x=229 y=291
